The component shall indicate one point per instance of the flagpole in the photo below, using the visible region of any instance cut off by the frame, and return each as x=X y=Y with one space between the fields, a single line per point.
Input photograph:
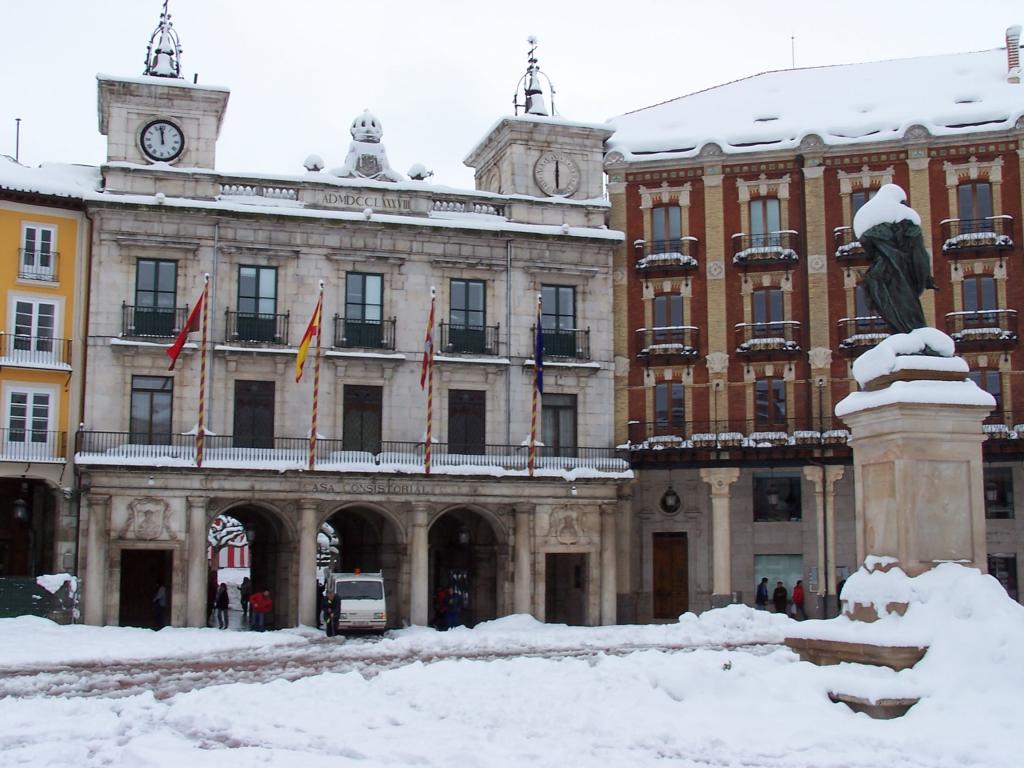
x=316 y=379
x=532 y=453
x=430 y=388
x=201 y=426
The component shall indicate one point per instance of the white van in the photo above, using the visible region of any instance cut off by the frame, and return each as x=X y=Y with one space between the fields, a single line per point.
x=360 y=601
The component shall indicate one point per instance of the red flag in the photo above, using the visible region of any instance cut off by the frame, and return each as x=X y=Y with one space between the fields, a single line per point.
x=192 y=325
x=428 y=346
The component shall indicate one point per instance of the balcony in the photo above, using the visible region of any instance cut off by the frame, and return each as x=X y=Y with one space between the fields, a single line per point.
x=29 y=445
x=667 y=345
x=37 y=265
x=749 y=435
x=283 y=453
x=665 y=258
x=983 y=329
x=767 y=250
x=469 y=339
x=768 y=340
x=848 y=247
x=566 y=343
x=152 y=322
x=257 y=327
x=971 y=237
x=364 y=334
x=45 y=352
x=857 y=334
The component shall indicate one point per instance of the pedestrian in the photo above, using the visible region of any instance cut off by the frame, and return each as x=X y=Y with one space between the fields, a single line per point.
x=440 y=609
x=260 y=605
x=220 y=604
x=780 y=598
x=453 y=614
x=331 y=614
x=244 y=593
x=319 y=603
x=761 y=600
x=798 y=601
x=160 y=606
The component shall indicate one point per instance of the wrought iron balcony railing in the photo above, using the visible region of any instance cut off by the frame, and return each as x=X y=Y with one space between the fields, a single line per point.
x=469 y=339
x=983 y=328
x=152 y=322
x=366 y=334
x=566 y=343
x=224 y=451
x=972 y=235
x=660 y=258
x=859 y=333
x=781 y=337
x=736 y=434
x=848 y=247
x=34 y=351
x=679 y=341
x=23 y=443
x=257 y=327
x=769 y=249
x=37 y=265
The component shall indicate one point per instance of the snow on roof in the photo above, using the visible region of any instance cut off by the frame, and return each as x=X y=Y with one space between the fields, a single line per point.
x=542 y=119
x=844 y=104
x=57 y=179
x=172 y=82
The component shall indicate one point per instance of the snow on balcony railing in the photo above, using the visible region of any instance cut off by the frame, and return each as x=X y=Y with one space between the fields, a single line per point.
x=678 y=340
x=977 y=234
x=662 y=255
x=847 y=246
x=658 y=436
x=769 y=248
x=247 y=190
x=460 y=206
x=999 y=432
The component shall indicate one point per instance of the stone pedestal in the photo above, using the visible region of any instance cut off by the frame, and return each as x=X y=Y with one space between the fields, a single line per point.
x=918 y=483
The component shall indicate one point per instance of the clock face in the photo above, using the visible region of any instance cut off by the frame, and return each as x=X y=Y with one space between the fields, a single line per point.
x=162 y=140
x=556 y=173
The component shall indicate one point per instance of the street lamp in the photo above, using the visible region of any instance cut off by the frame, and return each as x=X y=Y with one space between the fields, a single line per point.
x=21 y=510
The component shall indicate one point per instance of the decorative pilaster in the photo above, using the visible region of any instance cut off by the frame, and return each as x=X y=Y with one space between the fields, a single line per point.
x=818 y=242
x=523 y=577
x=919 y=191
x=608 y=563
x=824 y=479
x=419 y=573
x=196 y=548
x=96 y=509
x=720 y=479
x=307 y=562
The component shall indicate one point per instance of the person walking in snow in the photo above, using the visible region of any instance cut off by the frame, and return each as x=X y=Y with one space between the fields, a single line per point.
x=160 y=606
x=260 y=605
x=761 y=599
x=330 y=614
x=245 y=592
x=798 y=601
x=221 y=603
x=780 y=598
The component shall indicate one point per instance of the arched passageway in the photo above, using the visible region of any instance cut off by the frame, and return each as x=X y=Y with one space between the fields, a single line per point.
x=267 y=554
x=464 y=572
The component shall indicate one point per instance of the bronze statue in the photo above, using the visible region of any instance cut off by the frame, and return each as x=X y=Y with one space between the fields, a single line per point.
x=900 y=271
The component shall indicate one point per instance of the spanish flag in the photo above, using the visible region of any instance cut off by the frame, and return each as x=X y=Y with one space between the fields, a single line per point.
x=312 y=331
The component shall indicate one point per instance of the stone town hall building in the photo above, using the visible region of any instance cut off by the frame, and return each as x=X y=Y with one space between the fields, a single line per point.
x=740 y=309
x=162 y=219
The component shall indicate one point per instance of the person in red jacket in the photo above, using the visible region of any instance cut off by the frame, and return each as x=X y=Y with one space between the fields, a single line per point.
x=798 y=601
x=260 y=604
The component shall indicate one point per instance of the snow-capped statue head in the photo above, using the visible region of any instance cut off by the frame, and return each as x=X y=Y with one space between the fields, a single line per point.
x=887 y=206
x=366 y=128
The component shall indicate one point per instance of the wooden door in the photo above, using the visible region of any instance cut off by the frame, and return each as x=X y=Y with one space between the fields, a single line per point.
x=670 y=575
x=566 y=589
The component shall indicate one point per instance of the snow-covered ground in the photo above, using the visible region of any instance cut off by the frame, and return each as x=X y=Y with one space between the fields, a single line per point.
x=514 y=692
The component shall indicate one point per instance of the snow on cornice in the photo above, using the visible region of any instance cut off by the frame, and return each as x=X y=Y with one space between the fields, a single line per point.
x=57 y=179
x=845 y=104
x=166 y=82
x=538 y=119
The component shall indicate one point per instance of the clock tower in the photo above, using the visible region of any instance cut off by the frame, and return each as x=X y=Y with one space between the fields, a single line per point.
x=159 y=119
x=537 y=153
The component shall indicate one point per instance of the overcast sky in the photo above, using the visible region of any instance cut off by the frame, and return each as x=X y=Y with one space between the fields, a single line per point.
x=437 y=74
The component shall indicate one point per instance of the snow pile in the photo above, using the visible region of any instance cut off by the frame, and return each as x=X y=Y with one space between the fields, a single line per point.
x=886 y=207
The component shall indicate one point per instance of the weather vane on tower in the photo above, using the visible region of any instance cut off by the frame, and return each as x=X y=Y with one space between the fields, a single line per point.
x=530 y=86
x=163 y=54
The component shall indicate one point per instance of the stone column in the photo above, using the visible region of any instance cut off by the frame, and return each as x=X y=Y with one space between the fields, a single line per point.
x=921 y=201
x=609 y=581
x=198 y=569
x=824 y=479
x=720 y=479
x=624 y=543
x=419 y=576
x=96 y=511
x=307 y=562
x=523 y=577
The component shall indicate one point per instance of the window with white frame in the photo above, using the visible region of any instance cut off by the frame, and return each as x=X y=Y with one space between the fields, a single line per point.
x=38 y=252
x=35 y=322
x=29 y=416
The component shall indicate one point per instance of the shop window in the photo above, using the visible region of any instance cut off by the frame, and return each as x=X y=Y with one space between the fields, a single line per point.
x=1003 y=568
x=998 y=493
x=776 y=498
